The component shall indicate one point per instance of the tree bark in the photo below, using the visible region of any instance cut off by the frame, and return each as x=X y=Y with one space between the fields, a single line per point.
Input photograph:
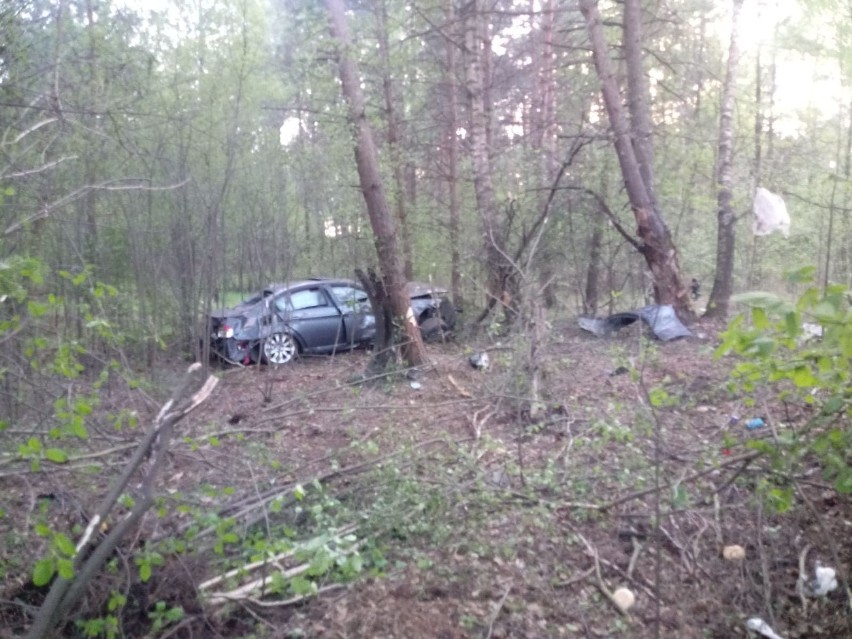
x=366 y=159
x=544 y=141
x=492 y=231
x=657 y=247
x=393 y=135
x=452 y=163
x=723 y=282
x=638 y=97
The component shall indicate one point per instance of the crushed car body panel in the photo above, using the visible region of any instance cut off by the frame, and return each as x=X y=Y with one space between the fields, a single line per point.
x=660 y=318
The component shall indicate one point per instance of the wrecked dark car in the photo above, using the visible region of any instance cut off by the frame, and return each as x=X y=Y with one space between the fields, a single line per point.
x=321 y=315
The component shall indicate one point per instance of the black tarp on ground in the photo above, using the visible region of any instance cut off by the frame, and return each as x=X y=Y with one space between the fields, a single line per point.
x=660 y=318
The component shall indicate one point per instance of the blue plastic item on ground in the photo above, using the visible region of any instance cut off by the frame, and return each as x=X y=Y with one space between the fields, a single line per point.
x=755 y=422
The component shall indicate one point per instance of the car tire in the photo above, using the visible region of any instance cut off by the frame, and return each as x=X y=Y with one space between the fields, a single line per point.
x=279 y=348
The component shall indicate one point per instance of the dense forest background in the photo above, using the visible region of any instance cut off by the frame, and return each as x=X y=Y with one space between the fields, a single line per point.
x=186 y=152
x=541 y=159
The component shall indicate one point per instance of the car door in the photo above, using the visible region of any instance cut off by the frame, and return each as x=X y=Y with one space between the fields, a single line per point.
x=312 y=317
x=358 y=321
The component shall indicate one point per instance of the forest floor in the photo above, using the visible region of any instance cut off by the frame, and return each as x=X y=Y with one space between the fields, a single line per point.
x=471 y=521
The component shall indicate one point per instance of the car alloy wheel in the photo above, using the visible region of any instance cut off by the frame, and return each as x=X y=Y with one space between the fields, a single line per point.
x=279 y=348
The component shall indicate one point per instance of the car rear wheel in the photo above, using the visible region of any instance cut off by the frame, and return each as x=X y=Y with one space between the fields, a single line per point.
x=279 y=348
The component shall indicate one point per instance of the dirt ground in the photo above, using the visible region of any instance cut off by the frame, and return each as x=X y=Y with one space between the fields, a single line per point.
x=476 y=519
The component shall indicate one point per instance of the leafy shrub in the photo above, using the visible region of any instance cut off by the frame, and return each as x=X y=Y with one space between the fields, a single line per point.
x=802 y=351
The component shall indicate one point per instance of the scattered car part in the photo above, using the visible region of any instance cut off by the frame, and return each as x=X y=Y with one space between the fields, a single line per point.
x=661 y=318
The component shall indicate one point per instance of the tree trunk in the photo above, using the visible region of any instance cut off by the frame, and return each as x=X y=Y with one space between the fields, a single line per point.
x=544 y=142
x=452 y=163
x=492 y=231
x=657 y=247
x=393 y=135
x=723 y=283
x=366 y=158
x=638 y=98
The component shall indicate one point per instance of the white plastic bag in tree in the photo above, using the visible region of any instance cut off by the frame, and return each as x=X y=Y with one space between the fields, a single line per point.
x=770 y=213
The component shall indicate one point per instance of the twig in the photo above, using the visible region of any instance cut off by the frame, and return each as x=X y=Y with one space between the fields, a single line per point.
x=602 y=587
x=293 y=600
x=696 y=475
x=829 y=540
x=461 y=391
x=764 y=567
x=802 y=580
x=574 y=580
x=64 y=593
x=637 y=548
x=497 y=610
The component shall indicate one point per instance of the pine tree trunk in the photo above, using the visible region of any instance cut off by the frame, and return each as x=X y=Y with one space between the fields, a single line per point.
x=366 y=158
x=657 y=247
x=452 y=163
x=723 y=283
x=492 y=231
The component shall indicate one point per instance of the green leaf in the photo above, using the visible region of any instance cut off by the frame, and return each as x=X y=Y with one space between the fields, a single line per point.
x=78 y=429
x=843 y=483
x=803 y=377
x=56 y=455
x=43 y=571
x=756 y=299
x=759 y=318
x=144 y=572
x=825 y=311
x=302 y=586
x=64 y=545
x=65 y=567
x=803 y=275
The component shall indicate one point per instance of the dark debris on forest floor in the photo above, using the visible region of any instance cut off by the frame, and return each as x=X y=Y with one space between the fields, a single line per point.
x=517 y=520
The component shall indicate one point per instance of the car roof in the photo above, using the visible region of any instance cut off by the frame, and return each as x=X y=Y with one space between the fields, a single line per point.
x=419 y=289
x=414 y=289
x=277 y=287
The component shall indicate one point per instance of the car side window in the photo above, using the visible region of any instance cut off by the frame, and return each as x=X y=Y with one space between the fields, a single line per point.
x=349 y=296
x=307 y=298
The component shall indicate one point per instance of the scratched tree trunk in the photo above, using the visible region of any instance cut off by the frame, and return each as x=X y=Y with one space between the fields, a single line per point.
x=366 y=158
x=657 y=246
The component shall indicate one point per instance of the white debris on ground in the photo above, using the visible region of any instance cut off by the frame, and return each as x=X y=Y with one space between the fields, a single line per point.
x=825 y=580
x=759 y=626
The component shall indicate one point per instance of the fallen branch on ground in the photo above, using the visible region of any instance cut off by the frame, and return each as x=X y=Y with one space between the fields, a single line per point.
x=65 y=593
x=254 y=589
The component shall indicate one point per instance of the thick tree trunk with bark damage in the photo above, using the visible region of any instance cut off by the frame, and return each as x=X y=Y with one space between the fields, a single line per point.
x=657 y=247
x=723 y=282
x=366 y=158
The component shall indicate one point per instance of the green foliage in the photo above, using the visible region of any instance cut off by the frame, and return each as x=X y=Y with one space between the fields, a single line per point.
x=802 y=351
x=60 y=559
x=164 y=615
